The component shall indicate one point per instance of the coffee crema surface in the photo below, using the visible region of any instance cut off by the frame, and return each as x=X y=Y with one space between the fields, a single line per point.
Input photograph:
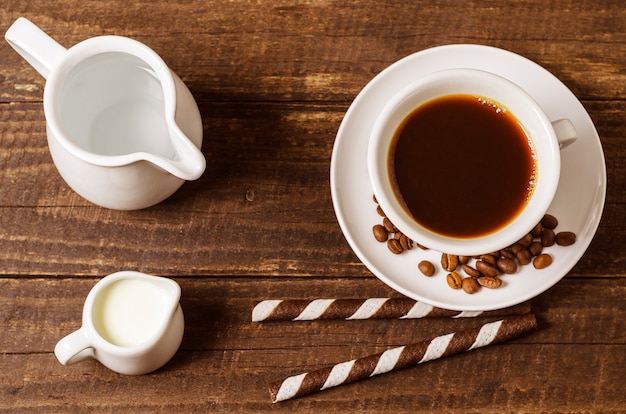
x=462 y=166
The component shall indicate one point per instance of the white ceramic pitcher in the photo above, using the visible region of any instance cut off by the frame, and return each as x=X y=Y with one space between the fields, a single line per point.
x=123 y=130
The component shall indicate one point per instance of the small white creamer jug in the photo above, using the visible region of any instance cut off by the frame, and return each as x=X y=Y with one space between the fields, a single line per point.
x=123 y=130
x=132 y=324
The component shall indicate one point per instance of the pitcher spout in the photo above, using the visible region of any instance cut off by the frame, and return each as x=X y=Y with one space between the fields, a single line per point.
x=188 y=162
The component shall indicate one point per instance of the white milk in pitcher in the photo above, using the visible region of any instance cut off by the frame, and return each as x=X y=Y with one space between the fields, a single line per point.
x=130 y=311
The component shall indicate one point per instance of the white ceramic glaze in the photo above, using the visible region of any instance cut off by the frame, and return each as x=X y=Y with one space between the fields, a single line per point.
x=123 y=130
x=140 y=357
x=500 y=91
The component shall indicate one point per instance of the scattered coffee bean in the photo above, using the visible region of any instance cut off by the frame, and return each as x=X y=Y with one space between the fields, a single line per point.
x=486 y=269
x=488 y=258
x=516 y=247
x=454 y=280
x=470 y=285
x=526 y=240
x=405 y=242
x=542 y=261
x=394 y=246
x=535 y=248
x=490 y=282
x=449 y=262
x=549 y=222
x=426 y=267
x=388 y=225
x=565 y=238
x=470 y=271
x=523 y=257
x=536 y=231
x=506 y=265
x=380 y=233
x=547 y=237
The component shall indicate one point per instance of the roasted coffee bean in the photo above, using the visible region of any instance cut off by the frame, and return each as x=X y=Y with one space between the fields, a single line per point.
x=486 y=268
x=470 y=271
x=549 y=222
x=420 y=246
x=565 y=238
x=388 y=225
x=506 y=253
x=542 y=261
x=380 y=233
x=449 y=262
x=547 y=237
x=506 y=265
x=536 y=231
x=426 y=267
x=380 y=211
x=405 y=242
x=464 y=259
x=374 y=198
x=526 y=240
x=489 y=258
x=516 y=247
x=470 y=285
x=523 y=257
x=490 y=282
x=454 y=280
x=394 y=246
x=535 y=248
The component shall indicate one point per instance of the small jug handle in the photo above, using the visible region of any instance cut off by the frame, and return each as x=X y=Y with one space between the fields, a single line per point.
x=565 y=132
x=40 y=50
x=75 y=347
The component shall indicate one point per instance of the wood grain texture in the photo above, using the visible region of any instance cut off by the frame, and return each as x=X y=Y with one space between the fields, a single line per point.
x=224 y=356
x=273 y=81
x=263 y=206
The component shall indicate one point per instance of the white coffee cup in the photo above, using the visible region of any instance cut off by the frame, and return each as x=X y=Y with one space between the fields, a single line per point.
x=547 y=139
x=132 y=324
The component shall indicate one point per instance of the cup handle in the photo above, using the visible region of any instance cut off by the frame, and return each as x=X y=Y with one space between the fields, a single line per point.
x=75 y=347
x=40 y=50
x=565 y=132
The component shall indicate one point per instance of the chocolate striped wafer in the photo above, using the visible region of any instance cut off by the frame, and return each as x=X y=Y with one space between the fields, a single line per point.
x=373 y=308
x=402 y=357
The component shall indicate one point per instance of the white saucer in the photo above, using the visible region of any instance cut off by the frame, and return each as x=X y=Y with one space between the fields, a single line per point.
x=578 y=203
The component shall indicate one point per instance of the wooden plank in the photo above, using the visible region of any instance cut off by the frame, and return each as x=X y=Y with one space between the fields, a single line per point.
x=226 y=362
x=263 y=207
x=37 y=312
x=507 y=377
x=246 y=50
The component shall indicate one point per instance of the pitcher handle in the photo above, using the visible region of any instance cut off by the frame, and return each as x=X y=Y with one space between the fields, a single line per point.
x=40 y=50
x=75 y=347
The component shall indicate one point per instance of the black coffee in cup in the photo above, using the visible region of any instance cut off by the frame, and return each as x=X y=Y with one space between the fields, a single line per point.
x=462 y=166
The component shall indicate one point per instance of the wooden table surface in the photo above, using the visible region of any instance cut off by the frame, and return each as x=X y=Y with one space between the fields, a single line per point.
x=273 y=81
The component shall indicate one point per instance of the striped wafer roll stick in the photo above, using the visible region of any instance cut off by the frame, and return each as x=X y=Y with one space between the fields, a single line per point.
x=374 y=308
x=402 y=357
